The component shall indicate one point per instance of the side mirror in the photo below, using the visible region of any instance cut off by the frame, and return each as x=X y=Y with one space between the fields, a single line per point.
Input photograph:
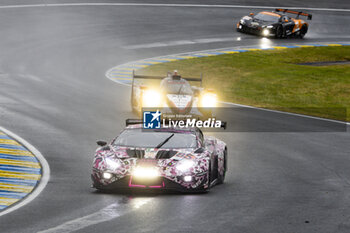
x=101 y=143
x=199 y=150
x=251 y=14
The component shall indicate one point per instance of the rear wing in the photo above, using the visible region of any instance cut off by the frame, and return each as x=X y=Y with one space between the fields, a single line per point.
x=309 y=16
x=134 y=76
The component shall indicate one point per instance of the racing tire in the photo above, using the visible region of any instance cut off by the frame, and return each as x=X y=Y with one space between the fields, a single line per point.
x=303 y=31
x=279 y=32
x=221 y=178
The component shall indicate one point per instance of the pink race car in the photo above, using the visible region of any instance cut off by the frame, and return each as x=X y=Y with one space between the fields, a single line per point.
x=181 y=159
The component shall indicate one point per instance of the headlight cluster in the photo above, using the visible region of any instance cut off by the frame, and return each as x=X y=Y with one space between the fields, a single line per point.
x=266 y=32
x=151 y=98
x=113 y=164
x=208 y=100
x=107 y=175
x=185 y=165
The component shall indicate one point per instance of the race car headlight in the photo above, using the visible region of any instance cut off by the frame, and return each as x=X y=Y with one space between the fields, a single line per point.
x=113 y=164
x=145 y=172
x=208 y=100
x=184 y=165
x=151 y=98
x=266 y=32
x=187 y=178
x=107 y=175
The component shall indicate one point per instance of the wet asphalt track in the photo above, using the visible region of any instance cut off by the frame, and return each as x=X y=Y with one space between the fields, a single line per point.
x=54 y=94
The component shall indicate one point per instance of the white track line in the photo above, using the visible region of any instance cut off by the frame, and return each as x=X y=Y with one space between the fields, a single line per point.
x=169 y=5
x=288 y=113
x=45 y=176
x=106 y=214
x=180 y=42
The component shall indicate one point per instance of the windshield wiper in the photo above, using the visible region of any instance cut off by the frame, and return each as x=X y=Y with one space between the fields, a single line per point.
x=165 y=141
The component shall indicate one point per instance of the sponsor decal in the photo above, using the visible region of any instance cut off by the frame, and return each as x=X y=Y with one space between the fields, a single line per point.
x=152 y=120
x=209 y=123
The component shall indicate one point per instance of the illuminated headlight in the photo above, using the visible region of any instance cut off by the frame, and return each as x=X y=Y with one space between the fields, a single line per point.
x=208 y=100
x=187 y=178
x=151 y=98
x=266 y=32
x=184 y=165
x=107 y=175
x=145 y=172
x=112 y=164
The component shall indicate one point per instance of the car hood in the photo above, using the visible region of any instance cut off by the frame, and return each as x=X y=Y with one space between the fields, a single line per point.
x=119 y=152
x=129 y=157
x=256 y=23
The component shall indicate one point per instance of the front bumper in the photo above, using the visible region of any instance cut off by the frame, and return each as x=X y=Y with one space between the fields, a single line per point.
x=255 y=30
x=160 y=183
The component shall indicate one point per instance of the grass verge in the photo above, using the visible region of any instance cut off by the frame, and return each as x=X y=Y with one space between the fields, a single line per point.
x=273 y=79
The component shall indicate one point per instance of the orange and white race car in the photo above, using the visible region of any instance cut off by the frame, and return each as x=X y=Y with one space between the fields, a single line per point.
x=277 y=24
x=174 y=94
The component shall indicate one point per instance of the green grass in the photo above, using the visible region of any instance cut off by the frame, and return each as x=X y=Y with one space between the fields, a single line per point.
x=272 y=79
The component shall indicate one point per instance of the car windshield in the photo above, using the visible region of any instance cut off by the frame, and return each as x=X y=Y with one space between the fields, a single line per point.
x=176 y=87
x=151 y=139
x=267 y=17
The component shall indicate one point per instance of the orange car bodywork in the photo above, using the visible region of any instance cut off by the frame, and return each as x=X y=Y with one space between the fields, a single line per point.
x=298 y=23
x=270 y=13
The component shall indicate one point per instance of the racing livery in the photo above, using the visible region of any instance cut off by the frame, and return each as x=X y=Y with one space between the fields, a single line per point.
x=276 y=23
x=180 y=159
x=174 y=94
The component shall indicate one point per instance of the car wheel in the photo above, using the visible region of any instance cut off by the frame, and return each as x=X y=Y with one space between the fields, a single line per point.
x=221 y=178
x=303 y=31
x=279 y=32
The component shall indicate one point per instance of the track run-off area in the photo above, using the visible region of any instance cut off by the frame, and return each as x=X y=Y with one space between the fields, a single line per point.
x=54 y=94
